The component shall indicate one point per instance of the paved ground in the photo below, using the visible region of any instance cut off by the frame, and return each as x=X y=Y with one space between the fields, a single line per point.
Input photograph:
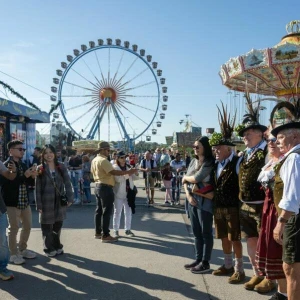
x=149 y=266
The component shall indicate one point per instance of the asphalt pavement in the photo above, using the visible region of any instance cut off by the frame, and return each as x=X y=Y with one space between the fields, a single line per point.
x=147 y=266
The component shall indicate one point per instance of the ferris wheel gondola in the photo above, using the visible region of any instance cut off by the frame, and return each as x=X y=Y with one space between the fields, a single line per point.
x=107 y=89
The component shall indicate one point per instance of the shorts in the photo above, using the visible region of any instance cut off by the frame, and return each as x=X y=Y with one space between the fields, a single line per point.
x=250 y=219
x=227 y=223
x=291 y=241
x=151 y=182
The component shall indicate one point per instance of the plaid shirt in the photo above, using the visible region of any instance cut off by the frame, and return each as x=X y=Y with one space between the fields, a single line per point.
x=23 y=198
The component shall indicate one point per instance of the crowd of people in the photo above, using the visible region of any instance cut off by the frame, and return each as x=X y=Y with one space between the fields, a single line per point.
x=253 y=195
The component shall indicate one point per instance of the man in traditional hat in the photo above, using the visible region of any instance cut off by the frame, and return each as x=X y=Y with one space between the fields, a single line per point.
x=103 y=174
x=250 y=192
x=287 y=197
x=226 y=199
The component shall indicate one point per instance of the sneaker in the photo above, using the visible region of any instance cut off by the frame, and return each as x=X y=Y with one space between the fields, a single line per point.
x=223 y=271
x=116 y=234
x=191 y=265
x=200 y=268
x=278 y=296
x=28 y=254
x=51 y=253
x=17 y=259
x=265 y=286
x=98 y=235
x=6 y=275
x=108 y=239
x=167 y=202
x=237 y=277
x=129 y=233
x=76 y=201
x=172 y=203
x=255 y=280
x=60 y=251
x=177 y=203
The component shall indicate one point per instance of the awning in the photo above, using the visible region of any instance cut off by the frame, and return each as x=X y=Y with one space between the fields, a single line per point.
x=9 y=108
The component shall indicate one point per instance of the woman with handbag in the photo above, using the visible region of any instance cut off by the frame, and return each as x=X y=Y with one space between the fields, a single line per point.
x=121 y=188
x=54 y=194
x=200 y=209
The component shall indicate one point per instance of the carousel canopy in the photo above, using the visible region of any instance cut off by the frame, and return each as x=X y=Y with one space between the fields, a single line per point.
x=272 y=71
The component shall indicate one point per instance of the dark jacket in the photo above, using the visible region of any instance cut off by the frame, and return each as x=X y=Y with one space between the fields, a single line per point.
x=10 y=188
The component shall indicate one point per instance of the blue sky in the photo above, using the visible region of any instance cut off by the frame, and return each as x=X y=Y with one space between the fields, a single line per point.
x=189 y=39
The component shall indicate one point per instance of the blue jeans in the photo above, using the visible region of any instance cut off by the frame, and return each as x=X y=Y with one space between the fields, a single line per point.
x=4 y=251
x=176 y=188
x=87 y=189
x=74 y=180
x=201 y=222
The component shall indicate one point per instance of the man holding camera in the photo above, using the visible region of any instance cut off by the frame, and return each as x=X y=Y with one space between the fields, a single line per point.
x=14 y=193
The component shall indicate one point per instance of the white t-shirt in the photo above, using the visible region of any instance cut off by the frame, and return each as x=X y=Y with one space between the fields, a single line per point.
x=290 y=175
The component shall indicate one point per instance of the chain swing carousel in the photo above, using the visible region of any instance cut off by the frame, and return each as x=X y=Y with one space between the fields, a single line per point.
x=109 y=91
x=273 y=72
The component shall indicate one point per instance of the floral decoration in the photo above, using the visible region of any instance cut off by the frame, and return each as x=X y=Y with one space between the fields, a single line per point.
x=260 y=155
x=239 y=127
x=215 y=138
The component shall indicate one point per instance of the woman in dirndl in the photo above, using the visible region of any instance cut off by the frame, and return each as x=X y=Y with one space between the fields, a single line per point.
x=269 y=252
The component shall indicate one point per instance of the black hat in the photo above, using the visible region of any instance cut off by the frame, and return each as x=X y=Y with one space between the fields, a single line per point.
x=227 y=128
x=289 y=116
x=251 y=118
x=120 y=153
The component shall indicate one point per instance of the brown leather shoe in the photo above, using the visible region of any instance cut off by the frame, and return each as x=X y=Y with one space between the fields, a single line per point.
x=255 y=280
x=237 y=277
x=108 y=239
x=223 y=271
x=265 y=286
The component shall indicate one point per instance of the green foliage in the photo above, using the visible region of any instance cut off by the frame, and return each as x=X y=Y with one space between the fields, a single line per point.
x=215 y=138
x=239 y=127
x=6 y=86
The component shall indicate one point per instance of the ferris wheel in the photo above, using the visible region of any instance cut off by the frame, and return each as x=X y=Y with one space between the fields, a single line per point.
x=110 y=92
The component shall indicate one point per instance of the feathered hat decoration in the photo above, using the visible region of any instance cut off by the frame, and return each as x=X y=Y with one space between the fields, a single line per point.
x=251 y=119
x=289 y=115
x=227 y=127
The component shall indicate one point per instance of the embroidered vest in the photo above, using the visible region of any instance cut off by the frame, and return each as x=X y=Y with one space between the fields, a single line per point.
x=227 y=185
x=250 y=188
x=278 y=183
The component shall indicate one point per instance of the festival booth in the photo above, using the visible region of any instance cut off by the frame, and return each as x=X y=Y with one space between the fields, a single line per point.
x=18 y=122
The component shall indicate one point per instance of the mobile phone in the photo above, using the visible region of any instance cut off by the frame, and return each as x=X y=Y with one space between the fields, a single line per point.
x=34 y=166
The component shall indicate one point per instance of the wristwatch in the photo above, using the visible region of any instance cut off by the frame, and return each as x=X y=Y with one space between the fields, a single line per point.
x=282 y=220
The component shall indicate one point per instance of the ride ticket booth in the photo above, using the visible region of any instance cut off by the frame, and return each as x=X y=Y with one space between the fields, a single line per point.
x=18 y=121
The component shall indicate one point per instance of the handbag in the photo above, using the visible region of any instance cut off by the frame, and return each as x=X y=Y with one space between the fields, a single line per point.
x=207 y=191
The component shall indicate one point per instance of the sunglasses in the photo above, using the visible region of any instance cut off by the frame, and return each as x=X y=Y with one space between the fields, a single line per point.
x=196 y=147
x=273 y=140
x=20 y=149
